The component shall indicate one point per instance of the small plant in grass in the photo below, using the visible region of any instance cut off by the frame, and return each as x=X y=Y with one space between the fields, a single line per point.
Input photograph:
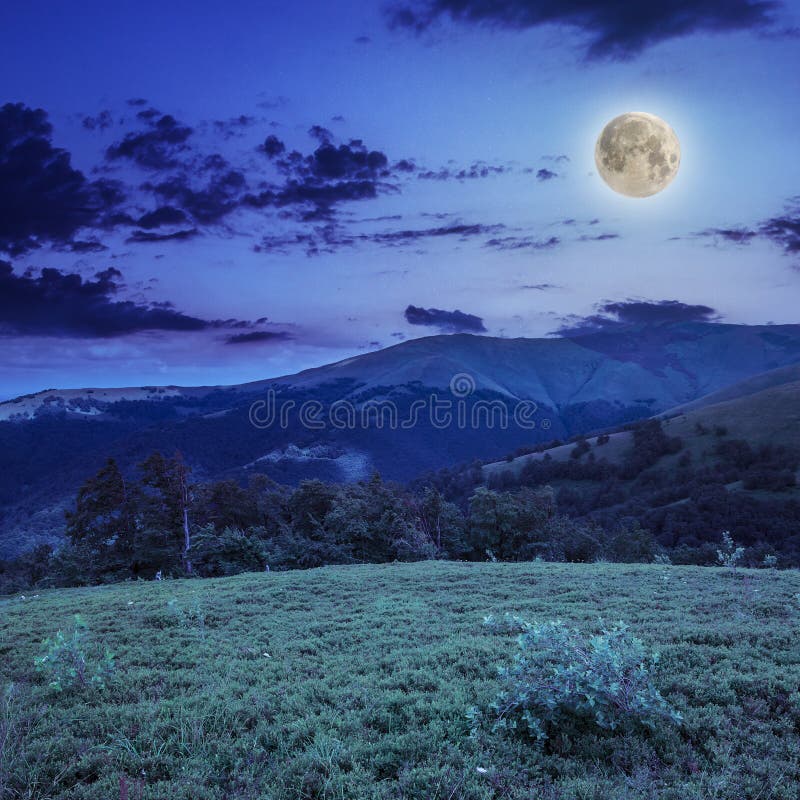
x=509 y=623
x=562 y=680
x=69 y=663
x=729 y=555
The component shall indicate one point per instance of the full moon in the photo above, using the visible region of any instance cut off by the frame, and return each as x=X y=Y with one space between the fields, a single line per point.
x=637 y=154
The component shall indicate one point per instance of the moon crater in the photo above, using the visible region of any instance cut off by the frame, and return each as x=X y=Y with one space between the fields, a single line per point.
x=638 y=154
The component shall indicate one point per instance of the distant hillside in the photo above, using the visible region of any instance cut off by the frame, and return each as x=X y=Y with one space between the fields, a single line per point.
x=767 y=380
x=760 y=417
x=51 y=441
x=731 y=465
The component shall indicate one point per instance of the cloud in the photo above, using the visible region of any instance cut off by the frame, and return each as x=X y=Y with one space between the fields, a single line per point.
x=43 y=199
x=546 y=175
x=163 y=215
x=782 y=230
x=257 y=337
x=403 y=237
x=208 y=193
x=155 y=148
x=56 y=303
x=147 y=237
x=600 y=237
x=314 y=184
x=627 y=313
x=478 y=169
x=99 y=122
x=612 y=30
x=273 y=147
x=731 y=235
x=540 y=287
x=523 y=243
x=235 y=126
x=446 y=321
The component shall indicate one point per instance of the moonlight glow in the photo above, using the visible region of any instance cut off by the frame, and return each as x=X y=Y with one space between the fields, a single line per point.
x=638 y=154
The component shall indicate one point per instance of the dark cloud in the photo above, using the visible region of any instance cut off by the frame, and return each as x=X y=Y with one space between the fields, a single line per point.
x=235 y=126
x=86 y=246
x=273 y=146
x=157 y=147
x=478 y=169
x=782 y=230
x=43 y=199
x=613 y=29
x=257 y=337
x=402 y=237
x=445 y=321
x=600 y=237
x=315 y=184
x=99 y=122
x=523 y=243
x=163 y=215
x=540 y=287
x=362 y=40
x=320 y=133
x=731 y=235
x=56 y=303
x=150 y=237
x=546 y=175
x=627 y=313
x=205 y=201
x=137 y=101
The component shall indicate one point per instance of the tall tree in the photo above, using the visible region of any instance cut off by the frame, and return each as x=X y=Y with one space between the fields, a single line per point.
x=168 y=478
x=104 y=520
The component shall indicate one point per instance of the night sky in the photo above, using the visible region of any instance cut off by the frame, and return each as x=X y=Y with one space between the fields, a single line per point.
x=195 y=194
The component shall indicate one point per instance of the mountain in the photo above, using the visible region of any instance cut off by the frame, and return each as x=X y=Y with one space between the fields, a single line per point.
x=766 y=416
x=386 y=410
x=730 y=461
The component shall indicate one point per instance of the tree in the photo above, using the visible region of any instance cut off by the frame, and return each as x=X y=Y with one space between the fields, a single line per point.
x=441 y=523
x=103 y=524
x=509 y=524
x=170 y=498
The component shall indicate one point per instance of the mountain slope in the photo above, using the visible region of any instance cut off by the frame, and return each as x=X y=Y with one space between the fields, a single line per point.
x=51 y=441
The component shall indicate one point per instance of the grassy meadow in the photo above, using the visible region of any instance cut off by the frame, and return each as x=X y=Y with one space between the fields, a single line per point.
x=354 y=683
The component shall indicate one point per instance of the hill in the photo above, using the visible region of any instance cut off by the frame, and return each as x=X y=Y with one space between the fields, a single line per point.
x=51 y=441
x=354 y=682
x=764 y=410
x=731 y=465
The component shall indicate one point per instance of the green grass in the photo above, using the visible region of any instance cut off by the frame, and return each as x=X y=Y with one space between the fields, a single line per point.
x=354 y=682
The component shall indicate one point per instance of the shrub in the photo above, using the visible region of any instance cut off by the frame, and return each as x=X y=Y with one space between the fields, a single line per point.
x=562 y=681
x=729 y=555
x=67 y=662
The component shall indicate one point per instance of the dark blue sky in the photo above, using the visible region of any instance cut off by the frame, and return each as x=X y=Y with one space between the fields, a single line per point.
x=224 y=194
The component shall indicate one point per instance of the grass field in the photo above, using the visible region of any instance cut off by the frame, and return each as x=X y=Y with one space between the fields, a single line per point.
x=354 y=682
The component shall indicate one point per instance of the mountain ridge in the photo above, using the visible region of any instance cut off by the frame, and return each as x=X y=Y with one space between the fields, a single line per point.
x=50 y=442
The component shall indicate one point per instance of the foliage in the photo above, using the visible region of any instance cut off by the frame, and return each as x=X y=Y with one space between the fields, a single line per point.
x=729 y=554
x=352 y=682
x=67 y=662
x=562 y=680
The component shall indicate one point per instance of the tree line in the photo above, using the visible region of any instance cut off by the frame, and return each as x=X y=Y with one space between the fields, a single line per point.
x=160 y=522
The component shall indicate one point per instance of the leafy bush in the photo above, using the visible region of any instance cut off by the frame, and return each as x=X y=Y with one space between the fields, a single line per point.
x=562 y=681
x=730 y=554
x=67 y=662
